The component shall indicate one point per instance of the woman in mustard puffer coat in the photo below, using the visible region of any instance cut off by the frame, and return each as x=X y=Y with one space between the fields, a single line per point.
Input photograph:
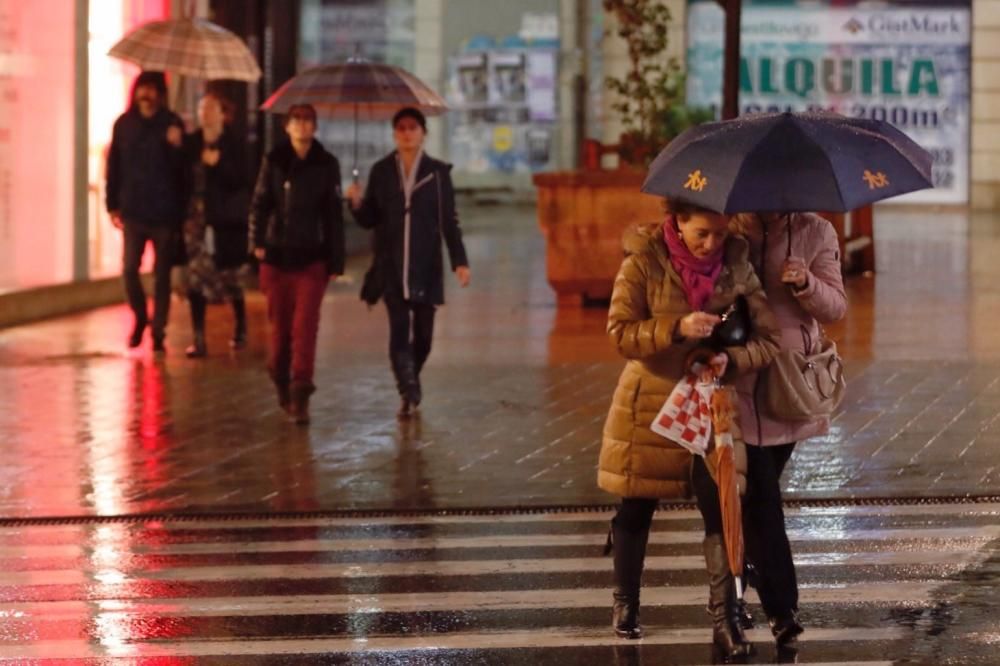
x=674 y=277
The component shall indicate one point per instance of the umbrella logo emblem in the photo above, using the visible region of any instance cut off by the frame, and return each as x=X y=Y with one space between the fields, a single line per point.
x=696 y=182
x=876 y=181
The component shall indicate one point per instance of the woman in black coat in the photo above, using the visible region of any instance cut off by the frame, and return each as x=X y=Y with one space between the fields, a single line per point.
x=410 y=203
x=215 y=233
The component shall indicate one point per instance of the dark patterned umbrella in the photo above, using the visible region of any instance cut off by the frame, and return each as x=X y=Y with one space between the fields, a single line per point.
x=190 y=47
x=357 y=90
x=788 y=162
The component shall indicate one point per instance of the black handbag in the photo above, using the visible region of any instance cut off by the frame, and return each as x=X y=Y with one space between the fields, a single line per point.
x=373 y=284
x=734 y=329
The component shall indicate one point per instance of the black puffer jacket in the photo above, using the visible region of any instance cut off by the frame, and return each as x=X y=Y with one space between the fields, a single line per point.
x=433 y=217
x=297 y=213
x=145 y=175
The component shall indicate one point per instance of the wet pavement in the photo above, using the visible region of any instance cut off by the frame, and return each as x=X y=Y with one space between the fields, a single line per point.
x=265 y=571
x=902 y=584
x=516 y=393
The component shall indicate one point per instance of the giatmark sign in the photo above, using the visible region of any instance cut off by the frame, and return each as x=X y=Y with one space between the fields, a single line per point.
x=908 y=66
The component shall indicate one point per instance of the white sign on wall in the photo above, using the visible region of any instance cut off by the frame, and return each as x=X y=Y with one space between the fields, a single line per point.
x=905 y=65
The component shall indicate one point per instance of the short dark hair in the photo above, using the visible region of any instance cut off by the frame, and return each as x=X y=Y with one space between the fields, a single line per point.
x=684 y=209
x=410 y=112
x=300 y=110
x=155 y=80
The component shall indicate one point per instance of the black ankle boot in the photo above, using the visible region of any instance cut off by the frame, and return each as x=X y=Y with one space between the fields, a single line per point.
x=406 y=381
x=629 y=550
x=298 y=406
x=786 y=629
x=746 y=618
x=135 y=339
x=239 y=339
x=198 y=305
x=197 y=348
x=727 y=634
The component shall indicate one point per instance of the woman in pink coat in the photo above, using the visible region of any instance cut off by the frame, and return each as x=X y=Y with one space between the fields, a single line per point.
x=797 y=257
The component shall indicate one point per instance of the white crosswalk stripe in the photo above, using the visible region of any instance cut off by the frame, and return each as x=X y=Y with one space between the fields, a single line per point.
x=518 y=589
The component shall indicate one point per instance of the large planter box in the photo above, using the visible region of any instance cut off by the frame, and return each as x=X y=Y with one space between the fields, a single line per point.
x=582 y=215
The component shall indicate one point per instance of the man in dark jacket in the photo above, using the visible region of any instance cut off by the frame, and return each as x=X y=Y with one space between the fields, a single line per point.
x=145 y=196
x=297 y=232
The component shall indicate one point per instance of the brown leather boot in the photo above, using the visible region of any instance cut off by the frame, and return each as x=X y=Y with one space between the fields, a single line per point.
x=298 y=409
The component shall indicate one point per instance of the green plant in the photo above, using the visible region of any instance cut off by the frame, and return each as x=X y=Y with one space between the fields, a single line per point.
x=650 y=96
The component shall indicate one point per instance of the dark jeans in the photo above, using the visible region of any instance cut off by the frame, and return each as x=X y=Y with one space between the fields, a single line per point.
x=411 y=330
x=767 y=546
x=293 y=309
x=164 y=239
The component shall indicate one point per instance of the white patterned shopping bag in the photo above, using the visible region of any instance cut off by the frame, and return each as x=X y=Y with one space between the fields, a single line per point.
x=686 y=417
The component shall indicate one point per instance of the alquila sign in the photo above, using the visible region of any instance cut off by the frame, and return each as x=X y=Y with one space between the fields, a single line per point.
x=907 y=66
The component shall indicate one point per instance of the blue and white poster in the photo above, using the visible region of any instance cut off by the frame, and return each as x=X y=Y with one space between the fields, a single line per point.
x=906 y=65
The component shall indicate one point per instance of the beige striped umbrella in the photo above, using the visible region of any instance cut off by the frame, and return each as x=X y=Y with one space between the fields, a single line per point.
x=356 y=89
x=191 y=47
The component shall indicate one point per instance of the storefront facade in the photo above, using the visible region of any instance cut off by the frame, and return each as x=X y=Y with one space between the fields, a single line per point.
x=524 y=79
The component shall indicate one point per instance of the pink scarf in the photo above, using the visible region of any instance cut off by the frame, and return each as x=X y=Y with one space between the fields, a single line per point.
x=697 y=274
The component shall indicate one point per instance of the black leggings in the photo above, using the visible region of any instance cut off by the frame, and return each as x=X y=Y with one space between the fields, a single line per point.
x=636 y=513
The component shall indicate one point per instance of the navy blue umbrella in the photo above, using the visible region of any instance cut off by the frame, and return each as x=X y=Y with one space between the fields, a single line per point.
x=789 y=162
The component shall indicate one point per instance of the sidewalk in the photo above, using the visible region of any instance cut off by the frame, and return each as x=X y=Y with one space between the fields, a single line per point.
x=516 y=393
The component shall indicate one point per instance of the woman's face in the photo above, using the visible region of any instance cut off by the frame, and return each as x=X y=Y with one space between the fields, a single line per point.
x=408 y=134
x=703 y=232
x=210 y=112
x=300 y=127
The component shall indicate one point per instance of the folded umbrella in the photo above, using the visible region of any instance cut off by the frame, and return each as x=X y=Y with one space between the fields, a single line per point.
x=789 y=162
x=723 y=415
x=190 y=47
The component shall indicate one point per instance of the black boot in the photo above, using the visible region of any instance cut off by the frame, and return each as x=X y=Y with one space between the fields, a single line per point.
x=239 y=340
x=727 y=634
x=198 y=305
x=629 y=552
x=406 y=382
x=135 y=339
x=786 y=629
x=298 y=408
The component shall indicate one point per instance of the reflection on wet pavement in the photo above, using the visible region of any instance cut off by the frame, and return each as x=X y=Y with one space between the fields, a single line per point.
x=517 y=390
x=908 y=584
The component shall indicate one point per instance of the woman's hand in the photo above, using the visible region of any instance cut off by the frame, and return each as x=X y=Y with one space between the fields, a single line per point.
x=354 y=193
x=698 y=325
x=794 y=272
x=706 y=365
x=175 y=136
x=464 y=275
x=210 y=156
x=259 y=253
